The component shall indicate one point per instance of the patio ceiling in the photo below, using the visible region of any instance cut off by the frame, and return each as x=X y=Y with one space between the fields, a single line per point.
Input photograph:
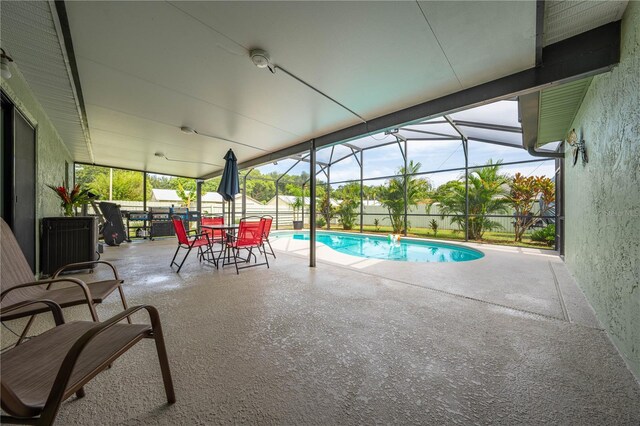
x=145 y=69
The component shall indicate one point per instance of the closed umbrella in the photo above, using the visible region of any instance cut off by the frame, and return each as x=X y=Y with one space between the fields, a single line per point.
x=230 y=181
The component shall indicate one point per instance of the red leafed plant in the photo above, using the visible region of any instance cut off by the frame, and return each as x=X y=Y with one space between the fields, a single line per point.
x=75 y=197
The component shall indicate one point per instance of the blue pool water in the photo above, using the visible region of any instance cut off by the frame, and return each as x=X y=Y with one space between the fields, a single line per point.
x=381 y=248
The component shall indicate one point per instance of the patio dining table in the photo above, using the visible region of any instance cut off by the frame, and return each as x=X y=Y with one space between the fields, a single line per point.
x=229 y=230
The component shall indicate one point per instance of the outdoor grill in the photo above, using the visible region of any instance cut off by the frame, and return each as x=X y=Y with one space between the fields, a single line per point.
x=160 y=218
x=142 y=231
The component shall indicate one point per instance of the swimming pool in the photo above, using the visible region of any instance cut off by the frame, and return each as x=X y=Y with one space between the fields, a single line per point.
x=406 y=250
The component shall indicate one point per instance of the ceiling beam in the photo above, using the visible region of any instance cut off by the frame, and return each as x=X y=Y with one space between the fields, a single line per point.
x=488 y=126
x=590 y=53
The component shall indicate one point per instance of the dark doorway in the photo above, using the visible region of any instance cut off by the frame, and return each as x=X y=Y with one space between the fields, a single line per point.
x=18 y=189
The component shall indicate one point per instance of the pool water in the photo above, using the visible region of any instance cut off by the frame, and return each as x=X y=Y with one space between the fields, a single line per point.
x=375 y=247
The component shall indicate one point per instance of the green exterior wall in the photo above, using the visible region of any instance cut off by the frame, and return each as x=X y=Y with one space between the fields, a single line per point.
x=51 y=152
x=602 y=236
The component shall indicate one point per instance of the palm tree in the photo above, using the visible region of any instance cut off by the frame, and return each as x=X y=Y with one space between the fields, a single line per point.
x=487 y=196
x=392 y=196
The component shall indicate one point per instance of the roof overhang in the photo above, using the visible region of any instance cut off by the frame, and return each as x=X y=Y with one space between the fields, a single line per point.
x=585 y=55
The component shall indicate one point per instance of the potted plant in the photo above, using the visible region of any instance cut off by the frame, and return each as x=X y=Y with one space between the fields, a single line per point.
x=70 y=199
x=297 y=205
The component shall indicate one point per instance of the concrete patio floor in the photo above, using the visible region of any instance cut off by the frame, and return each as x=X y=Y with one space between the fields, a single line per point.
x=507 y=339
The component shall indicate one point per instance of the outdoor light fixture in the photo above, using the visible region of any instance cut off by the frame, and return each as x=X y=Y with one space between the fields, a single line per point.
x=5 y=60
x=578 y=147
x=191 y=131
x=163 y=155
x=261 y=59
x=391 y=131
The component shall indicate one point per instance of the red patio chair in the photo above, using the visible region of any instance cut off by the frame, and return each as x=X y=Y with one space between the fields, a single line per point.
x=267 y=230
x=201 y=241
x=250 y=235
x=215 y=235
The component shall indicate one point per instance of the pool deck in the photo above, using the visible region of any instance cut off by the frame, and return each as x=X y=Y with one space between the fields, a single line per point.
x=525 y=279
x=507 y=339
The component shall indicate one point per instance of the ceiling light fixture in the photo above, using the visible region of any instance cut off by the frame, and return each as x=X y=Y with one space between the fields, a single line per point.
x=162 y=155
x=5 y=60
x=191 y=131
x=261 y=59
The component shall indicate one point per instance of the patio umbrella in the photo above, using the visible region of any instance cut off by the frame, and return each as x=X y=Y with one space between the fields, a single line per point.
x=230 y=181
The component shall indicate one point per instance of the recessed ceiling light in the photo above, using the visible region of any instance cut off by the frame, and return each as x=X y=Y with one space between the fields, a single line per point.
x=187 y=130
x=159 y=154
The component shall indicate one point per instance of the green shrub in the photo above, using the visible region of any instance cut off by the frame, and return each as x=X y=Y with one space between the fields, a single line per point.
x=434 y=227
x=321 y=222
x=545 y=235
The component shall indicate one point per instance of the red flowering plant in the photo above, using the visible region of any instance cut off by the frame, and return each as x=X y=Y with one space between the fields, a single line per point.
x=70 y=199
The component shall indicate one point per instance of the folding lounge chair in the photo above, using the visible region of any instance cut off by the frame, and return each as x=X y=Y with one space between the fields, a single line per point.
x=18 y=285
x=199 y=241
x=40 y=374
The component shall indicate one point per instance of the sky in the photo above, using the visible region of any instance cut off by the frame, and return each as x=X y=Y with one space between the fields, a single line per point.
x=435 y=154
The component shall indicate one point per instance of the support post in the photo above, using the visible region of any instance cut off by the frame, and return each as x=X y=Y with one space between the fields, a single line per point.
x=302 y=212
x=199 y=201
x=144 y=197
x=361 y=191
x=312 y=202
x=465 y=146
x=329 y=193
x=406 y=206
x=277 y=204
x=244 y=193
x=144 y=191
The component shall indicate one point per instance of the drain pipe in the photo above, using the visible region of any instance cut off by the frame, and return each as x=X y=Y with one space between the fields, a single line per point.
x=528 y=111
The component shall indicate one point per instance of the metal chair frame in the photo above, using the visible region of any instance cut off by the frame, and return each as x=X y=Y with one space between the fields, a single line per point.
x=188 y=244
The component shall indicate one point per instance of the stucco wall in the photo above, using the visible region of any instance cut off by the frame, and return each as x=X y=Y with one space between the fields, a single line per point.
x=51 y=152
x=603 y=197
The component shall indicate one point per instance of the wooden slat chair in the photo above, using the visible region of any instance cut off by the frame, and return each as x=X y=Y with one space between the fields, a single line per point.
x=200 y=241
x=40 y=374
x=17 y=284
x=250 y=236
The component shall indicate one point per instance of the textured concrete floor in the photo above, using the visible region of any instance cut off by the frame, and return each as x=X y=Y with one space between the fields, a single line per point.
x=507 y=339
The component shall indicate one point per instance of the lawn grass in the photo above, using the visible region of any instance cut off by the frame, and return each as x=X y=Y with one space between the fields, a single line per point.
x=499 y=238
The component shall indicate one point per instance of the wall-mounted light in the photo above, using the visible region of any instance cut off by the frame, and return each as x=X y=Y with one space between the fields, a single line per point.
x=578 y=146
x=5 y=61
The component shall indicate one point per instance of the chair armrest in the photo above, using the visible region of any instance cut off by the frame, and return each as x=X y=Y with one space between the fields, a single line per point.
x=58 y=390
x=91 y=262
x=198 y=236
x=56 y=310
x=76 y=281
